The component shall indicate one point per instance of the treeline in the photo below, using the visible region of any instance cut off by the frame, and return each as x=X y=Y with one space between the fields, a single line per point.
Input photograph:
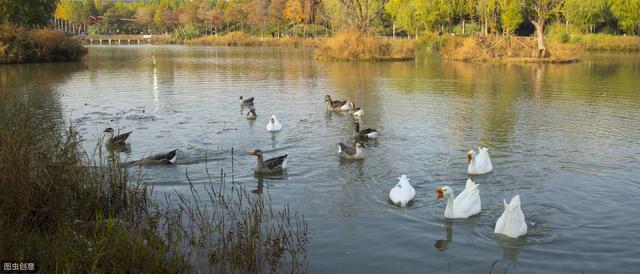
x=408 y=17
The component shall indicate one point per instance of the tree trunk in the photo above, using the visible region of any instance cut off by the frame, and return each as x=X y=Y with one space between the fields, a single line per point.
x=542 y=49
x=463 y=26
x=393 y=34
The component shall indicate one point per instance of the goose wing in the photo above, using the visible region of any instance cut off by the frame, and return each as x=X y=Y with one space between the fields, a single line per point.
x=336 y=103
x=121 y=138
x=347 y=149
x=164 y=156
x=248 y=101
x=275 y=162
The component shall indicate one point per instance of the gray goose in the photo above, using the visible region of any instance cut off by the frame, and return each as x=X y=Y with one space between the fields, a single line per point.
x=368 y=133
x=118 y=140
x=350 y=153
x=168 y=158
x=336 y=105
x=246 y=102
x=273 y=165
x=357 y=112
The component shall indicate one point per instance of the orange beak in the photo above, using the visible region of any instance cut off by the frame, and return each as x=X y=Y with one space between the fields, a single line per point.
x=469 y=157
x=439 y=193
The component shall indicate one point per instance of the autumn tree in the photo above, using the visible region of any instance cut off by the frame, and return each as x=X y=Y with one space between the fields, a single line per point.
x=538 y=12
x=363 y=13
x=293 y=11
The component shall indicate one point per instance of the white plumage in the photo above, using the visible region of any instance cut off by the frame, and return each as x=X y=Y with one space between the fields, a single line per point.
x=479 y=163
x=273 y=124
x=512 y=223
x=403 y=192
x=466 y=204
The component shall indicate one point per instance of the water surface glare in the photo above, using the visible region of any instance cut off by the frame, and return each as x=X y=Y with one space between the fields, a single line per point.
x=564 y=137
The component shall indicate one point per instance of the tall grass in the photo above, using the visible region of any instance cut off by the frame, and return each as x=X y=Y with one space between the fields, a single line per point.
x=348 y=45
x=69 y=212
x=606 y=42
x=245 y=40
x=22 y=45
x=499 y=48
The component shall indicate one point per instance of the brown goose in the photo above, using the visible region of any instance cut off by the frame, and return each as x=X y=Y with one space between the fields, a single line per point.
x=272 y=165
x=246 y=102
x=336 y=105
x=368 y=133
x=251 y=115
x=351 y=153
x=168 y=158
x=118 y=140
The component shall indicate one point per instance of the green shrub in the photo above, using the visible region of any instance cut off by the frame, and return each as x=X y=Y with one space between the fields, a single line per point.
x=21 y=45
x=432 y=41
x=558 y=33
x=469 y=28
x=185 y=33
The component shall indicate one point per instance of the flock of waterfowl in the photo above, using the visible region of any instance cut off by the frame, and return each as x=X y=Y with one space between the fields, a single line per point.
x=466 y=204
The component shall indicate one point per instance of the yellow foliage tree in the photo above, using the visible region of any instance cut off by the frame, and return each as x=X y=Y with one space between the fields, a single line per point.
x=293 y=11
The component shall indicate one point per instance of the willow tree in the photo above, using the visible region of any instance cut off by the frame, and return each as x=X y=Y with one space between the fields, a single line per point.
x=405 y=15
x=628 y=14
x=363 y=13
x=538 y=12
x=510 y=15
x=586 y=14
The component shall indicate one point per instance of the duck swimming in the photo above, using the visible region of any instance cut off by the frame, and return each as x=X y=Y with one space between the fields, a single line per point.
x=479 y=163
x=368 y=133
x=512 y=223
x=466 y=204
x=403 y=192
x=351 y=153
x=168 y=158
x=273 y=124
x=336 y=105
x=117 y=140
x=273 y=165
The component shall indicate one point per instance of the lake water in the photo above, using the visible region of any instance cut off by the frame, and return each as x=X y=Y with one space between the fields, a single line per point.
x=564 y=137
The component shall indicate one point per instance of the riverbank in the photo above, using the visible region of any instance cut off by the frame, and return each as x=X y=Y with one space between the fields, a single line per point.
x=21 y=45
x=64 y=211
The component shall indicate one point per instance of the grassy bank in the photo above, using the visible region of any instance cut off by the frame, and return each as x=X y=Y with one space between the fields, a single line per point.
x=503 y=49
x=246 y=40
x=605 y=42
x=354 y=45
x=22 y=45
x=68 y=212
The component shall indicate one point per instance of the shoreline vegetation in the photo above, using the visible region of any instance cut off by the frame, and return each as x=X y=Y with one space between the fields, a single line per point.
x=22 y=45
x=67 y=211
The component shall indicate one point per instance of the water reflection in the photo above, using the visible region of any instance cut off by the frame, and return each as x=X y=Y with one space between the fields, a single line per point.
x=442 y=245
x=547 y=126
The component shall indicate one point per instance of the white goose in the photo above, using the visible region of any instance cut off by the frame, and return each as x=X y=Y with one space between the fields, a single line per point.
x=273 y=124
x=403 y=192
x=479 y=163
x=466 y=204
x=512 y=223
